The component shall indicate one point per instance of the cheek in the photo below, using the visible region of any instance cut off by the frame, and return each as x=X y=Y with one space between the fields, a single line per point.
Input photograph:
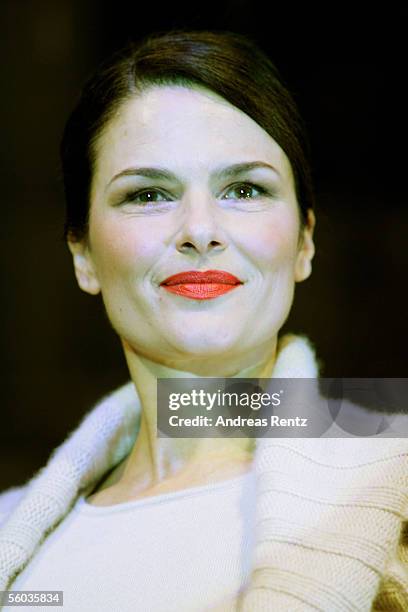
x=273 y=243
x=122 y=249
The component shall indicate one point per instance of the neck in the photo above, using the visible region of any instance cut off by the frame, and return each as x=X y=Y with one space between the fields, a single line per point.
x=156 y=463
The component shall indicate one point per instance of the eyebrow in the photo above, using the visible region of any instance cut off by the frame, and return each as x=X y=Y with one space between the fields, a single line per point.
x=162 y=173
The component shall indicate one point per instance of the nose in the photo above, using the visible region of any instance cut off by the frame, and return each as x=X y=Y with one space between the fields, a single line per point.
x=200 y=230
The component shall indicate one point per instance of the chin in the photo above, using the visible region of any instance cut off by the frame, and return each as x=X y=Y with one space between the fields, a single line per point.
x=203 y=344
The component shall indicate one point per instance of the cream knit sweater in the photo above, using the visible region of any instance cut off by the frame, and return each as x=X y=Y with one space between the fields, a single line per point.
x=332 y=513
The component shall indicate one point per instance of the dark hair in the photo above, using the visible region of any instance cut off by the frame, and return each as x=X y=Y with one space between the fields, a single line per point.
x=229 y=64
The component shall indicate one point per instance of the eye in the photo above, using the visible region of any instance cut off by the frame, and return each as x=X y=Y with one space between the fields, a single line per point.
x=244 y=191
x=145 y=196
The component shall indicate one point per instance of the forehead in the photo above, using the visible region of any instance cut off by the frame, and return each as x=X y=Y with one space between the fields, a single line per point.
x=188 y=129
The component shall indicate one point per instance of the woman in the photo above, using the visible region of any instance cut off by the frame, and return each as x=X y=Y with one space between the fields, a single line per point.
x=186 y=156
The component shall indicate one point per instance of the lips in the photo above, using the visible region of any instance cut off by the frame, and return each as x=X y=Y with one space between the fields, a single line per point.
x=198 y=285
x=196 y=277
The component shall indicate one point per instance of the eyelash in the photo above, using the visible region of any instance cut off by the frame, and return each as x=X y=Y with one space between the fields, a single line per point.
x=132 y=196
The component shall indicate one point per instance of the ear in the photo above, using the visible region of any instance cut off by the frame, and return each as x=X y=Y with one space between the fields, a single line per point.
x=84 y=268
x=303 y=267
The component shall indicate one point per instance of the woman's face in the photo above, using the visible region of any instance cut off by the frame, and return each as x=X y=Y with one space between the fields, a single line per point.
x=185 y=181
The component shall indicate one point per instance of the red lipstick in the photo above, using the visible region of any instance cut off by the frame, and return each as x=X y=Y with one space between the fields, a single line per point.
x=198 y=285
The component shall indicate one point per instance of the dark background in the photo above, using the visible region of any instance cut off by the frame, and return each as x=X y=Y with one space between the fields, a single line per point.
x=347 y=70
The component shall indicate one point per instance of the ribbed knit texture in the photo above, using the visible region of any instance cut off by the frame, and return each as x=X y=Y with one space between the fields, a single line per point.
x=330 y=530
x=329 y=517
x=104 y=437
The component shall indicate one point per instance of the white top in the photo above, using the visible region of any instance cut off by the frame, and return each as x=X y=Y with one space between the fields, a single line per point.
x=182 y=551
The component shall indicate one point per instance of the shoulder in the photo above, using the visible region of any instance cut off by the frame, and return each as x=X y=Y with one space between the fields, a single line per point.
x=9 y=500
